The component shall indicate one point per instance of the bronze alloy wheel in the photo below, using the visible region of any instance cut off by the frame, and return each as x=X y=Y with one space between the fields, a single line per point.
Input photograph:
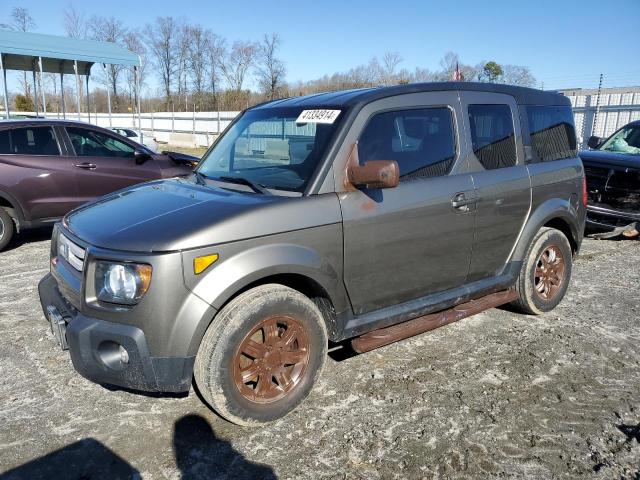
x=271 y=360
x=549 y=274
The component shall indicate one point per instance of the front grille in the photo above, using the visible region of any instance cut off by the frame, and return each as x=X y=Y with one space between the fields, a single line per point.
x=72 y=253
x=596 y=172
x=616 y=188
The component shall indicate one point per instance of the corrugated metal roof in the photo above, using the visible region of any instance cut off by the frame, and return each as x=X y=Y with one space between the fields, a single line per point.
x=21 y=49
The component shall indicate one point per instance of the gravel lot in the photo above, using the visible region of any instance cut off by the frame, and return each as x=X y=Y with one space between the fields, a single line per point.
x=497 y=395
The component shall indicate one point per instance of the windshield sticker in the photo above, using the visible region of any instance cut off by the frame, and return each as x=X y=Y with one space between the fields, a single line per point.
x=318 y=116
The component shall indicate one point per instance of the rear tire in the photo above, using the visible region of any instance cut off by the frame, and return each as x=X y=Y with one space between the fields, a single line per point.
x=261 y=355
x=7 y=228
x=545 y=273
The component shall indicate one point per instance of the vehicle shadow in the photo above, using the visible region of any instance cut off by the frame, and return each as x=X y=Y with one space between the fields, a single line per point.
x=86 y=458
x=199 y=454
x=28 y=236
x=341 y=351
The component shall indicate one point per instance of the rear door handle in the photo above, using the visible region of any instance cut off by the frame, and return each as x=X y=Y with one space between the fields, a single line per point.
x=463 y=201
x=86 y=166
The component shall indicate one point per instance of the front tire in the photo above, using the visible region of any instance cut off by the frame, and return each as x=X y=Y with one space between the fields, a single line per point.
x=7 y=228
x=261 y=355
x=545 y=273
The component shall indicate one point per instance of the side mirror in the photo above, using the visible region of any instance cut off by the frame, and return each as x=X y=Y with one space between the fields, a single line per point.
x=375 y=174
x=594 y=142
x=140 y=156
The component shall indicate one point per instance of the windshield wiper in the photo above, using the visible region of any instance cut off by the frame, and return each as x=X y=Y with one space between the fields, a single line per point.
x=200 y=177
x=256 y=187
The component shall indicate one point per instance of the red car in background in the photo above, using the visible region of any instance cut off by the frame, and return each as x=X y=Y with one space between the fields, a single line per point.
x=49 y=167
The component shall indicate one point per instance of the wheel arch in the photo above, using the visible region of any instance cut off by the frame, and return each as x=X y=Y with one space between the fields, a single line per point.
x=12 y=205
x=555 y=213
x=293 y=266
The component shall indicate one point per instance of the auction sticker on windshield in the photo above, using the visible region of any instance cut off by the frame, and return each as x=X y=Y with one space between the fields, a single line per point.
x=318 y=116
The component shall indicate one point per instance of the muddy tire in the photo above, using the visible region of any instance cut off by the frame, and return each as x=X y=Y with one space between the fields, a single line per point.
x=545 y=273
x=7 y=228
x=261 y=355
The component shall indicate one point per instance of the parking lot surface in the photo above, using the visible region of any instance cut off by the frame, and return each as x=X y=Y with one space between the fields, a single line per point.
x=497 y=395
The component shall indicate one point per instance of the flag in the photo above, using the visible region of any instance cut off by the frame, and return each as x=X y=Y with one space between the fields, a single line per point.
x=457 y=74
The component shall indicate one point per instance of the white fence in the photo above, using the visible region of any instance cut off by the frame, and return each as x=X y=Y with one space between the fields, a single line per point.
x=615 y=108
x=203 y=126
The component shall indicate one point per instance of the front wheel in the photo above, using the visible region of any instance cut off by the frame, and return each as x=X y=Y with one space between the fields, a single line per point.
x=262 y=354
x=545 y=274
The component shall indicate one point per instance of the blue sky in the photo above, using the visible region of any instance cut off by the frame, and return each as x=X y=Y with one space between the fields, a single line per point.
x=565 y=43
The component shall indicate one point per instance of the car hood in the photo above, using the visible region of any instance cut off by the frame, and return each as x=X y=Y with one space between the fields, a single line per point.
x=610 y=158
x=179 y=214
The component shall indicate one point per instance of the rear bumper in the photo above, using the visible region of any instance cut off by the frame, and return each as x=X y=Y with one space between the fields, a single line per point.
x=95 y=349
x=606 y=218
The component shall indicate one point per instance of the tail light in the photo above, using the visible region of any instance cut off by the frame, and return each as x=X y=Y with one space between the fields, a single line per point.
x=584 y=191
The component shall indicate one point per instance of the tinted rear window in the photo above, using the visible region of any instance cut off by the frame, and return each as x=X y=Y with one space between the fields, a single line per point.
x=29 y=141
x=492 y=135
x=553 y=136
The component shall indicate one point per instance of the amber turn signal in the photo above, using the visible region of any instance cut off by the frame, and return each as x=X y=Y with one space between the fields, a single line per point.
x=200 y=264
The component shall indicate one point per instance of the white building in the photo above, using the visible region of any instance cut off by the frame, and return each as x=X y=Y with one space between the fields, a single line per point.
x=615 y=108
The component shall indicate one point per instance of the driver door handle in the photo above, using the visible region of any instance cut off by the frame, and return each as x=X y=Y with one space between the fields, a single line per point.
x=463 y=201
x=86 y=166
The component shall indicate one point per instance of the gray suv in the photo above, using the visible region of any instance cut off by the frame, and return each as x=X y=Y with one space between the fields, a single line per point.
x=363 y=215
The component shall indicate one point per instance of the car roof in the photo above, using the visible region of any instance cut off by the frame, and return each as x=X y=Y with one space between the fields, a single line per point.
x=361 y=96
x=44 y=121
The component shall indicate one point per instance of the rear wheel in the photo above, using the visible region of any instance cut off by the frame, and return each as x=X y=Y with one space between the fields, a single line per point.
x=262 y=354
x=546 y=272
x=7 y=228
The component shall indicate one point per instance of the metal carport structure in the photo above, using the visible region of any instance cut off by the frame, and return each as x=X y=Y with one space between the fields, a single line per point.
x=25 y=51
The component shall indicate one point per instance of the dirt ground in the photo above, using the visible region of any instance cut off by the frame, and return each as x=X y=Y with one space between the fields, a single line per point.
x=496 y=395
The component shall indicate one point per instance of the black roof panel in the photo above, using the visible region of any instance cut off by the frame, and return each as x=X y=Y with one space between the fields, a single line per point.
x=347 y=98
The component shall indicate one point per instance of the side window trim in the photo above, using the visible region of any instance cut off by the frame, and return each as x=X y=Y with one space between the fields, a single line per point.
x=55 y=137
x=454 y=124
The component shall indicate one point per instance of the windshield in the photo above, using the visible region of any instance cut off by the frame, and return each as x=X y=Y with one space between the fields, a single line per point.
x=272 y=148
x=627 y=140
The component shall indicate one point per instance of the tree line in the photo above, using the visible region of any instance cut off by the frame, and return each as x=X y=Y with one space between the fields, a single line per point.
x=197 y=69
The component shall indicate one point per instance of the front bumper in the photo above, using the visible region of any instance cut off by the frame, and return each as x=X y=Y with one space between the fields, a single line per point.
x=94 y=346
x=607 y=218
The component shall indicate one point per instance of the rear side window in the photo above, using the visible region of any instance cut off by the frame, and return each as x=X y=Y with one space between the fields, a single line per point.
x=91 y=143
x=553 y=136
x=492 y=135
x=29 y=141
x=422 y=141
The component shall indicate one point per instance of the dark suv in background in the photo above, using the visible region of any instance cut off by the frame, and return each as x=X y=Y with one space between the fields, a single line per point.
x=48 y=167
x=612 y=167
x=366 y=215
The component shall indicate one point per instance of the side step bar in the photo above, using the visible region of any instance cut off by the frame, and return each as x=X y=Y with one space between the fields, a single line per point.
x=385 y=336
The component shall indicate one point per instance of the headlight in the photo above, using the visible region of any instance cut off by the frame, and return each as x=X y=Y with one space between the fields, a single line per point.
x=123 y=283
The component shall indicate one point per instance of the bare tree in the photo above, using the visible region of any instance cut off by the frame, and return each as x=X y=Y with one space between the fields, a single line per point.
x=216 y=51
x=162 y=41
x=390 y=62
x=109 y=29
x=271 y=70
x=422 y=75
x=518 y=75
x=74 y=22
x=134 y=44
x=237 y=63
x=197 y=58
x=22 y=21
